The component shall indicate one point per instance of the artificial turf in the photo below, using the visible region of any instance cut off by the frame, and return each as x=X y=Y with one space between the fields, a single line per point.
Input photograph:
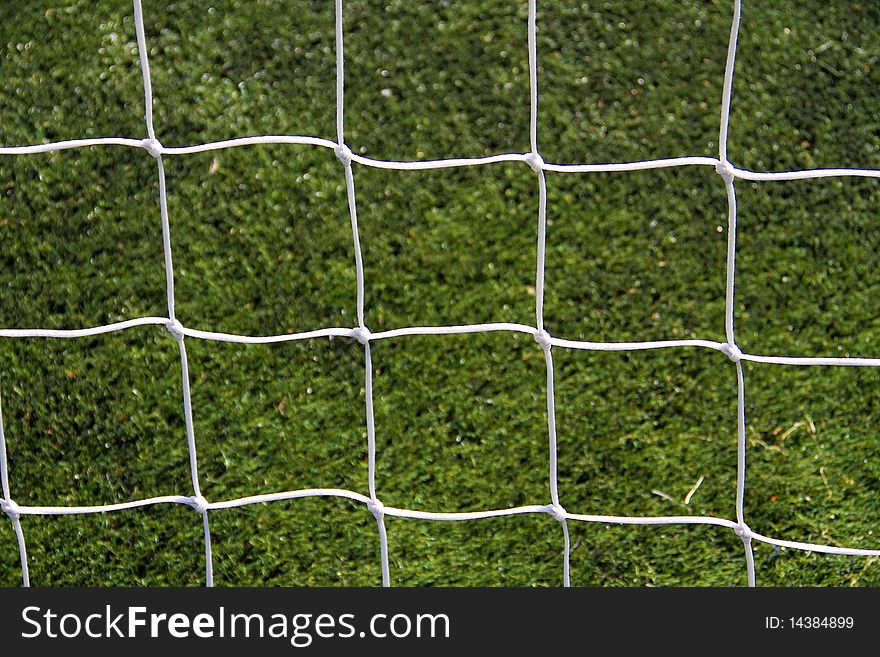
x=262 y=245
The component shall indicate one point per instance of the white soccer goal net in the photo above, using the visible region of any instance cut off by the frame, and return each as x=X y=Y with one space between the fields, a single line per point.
x=554 y=505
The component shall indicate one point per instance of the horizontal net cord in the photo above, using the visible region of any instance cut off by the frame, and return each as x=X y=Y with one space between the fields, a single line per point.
x=840 y=361
x=25 y=510
x=269 y=339
x=67 y=144
x=806 y=174
x=154 y=147
x=81 y=332
x=812 y=547
x=438 y=515
x=463 y=329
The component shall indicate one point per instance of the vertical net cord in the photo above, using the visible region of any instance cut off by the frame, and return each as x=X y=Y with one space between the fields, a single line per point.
x=9 y=505
x=174 y=327
x=726 y=170
x=363 y=333
x=542 y=337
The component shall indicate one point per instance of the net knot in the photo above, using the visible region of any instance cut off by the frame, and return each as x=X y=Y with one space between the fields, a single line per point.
x=376 y=508
x=535 y=161
x=10 y=508
x=743 y=531
x=732 y=352
x=199 y=503
x=344 y=154
x=543 y=339
x=557 y=511
x=726 y=170
x=175 y=328
x=153 y=147
x=362 y=334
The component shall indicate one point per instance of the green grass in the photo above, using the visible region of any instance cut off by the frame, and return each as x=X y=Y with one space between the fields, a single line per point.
x=262 y=245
